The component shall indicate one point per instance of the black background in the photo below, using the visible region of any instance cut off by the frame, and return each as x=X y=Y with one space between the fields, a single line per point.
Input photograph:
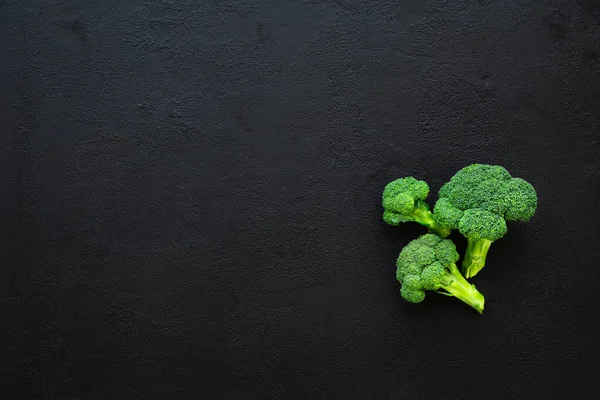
x=190 y=197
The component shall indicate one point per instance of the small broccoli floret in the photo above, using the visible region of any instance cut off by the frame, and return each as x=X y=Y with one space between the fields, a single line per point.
x=429 y=263
x=403 y=201
x=446 y=214
x=412 y=291
x=478 y=200
x=479 y=224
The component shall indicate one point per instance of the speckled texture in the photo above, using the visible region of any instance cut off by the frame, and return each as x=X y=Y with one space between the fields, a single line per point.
x=190 y=197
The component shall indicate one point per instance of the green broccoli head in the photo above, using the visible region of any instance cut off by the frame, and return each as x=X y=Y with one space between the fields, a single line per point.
x=478 y=200
x=413 y=260
x=428 y=263
x=485 y=187
x=403 y=201
x=400 y=196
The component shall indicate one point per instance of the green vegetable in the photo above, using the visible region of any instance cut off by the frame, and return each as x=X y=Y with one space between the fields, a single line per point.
x=478 y=200
x=403 y=201
x=428 y=263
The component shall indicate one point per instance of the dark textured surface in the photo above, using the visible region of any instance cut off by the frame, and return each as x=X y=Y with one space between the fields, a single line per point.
x=189 y=196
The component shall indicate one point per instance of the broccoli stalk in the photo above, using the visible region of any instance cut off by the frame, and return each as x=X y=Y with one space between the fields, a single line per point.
x=419 y=214
x=477 y=250
x=456 y=285
x=403 y=202
x=423 y=216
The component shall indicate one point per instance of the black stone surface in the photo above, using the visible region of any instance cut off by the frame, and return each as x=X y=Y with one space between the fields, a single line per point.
x=189 y=197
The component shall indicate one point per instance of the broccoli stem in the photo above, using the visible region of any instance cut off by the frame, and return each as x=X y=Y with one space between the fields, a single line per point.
x=477 y=250
x=423 y=216
x=456 y=285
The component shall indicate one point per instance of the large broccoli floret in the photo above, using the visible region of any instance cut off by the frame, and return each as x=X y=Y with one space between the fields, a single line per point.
x=428 y=263
x=478 y=200
x=403 y=201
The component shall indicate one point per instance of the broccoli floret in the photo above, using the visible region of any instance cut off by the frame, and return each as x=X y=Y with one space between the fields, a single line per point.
x=403 y=201
x=478 y=200
x=429 y=263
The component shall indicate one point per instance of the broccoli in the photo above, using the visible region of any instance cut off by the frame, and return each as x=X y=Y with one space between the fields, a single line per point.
x=478 y=200
x=428 y=263
x=403 y=201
